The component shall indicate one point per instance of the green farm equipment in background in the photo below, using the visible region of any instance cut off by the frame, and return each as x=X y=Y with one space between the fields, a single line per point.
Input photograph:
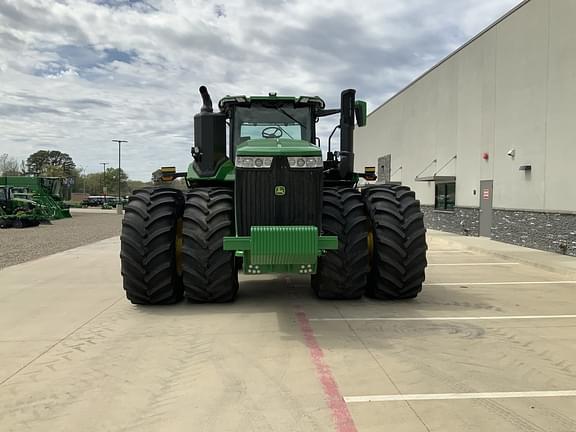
x=18 y=212
x=49 y=193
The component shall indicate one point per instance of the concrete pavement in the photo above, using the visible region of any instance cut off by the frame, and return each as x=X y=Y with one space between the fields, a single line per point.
x=554 y=262
x=76 y=355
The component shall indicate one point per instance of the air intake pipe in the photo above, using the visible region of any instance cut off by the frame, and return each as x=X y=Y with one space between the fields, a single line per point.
x=347 y=112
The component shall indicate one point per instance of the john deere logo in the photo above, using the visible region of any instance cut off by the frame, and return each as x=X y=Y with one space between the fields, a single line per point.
x=279 y=191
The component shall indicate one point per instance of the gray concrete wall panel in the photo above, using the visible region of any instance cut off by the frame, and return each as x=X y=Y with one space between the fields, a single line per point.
x=561 y=117
x=513 y=87
x=521 y=81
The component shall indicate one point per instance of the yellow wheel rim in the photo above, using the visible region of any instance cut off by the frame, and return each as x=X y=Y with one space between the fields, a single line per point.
x=179 y=246
x=370 y=246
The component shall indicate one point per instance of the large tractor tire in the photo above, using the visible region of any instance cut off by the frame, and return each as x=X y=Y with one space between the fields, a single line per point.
x=398 y=242
x=148 y=246
x=342 y=273
x=210 y=274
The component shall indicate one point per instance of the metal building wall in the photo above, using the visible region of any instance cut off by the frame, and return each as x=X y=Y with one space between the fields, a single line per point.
x=512 y=87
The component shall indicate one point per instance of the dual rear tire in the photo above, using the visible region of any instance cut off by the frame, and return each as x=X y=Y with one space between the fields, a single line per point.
x=382 y=241
x=171 y=246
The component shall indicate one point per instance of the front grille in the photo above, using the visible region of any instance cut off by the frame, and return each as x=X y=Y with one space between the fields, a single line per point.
x=257 y=203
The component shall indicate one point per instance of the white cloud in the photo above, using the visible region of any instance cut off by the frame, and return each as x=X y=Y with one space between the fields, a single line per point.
x=76 y=74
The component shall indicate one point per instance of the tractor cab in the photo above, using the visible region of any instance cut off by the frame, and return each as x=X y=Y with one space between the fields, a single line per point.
x=272 y=117
x=11 y=199
x=57 y=187
x=248 y=131
x=264 y=127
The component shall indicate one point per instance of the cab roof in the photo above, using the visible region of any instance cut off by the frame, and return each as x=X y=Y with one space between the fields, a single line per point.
x=246 y=101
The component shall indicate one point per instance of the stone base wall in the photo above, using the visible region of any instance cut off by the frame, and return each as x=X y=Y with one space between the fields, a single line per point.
x=465 y=221
x=554 y=232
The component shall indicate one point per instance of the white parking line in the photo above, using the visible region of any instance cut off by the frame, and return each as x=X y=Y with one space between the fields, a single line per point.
x=476 y=264
x=449 y=318
x=449 y=251
x=501 y=283
x=447 y=396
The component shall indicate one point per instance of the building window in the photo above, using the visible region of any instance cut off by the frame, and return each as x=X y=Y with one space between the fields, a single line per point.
x=445 y=196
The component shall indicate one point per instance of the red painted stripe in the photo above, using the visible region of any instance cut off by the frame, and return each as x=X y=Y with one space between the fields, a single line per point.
x=340 y=414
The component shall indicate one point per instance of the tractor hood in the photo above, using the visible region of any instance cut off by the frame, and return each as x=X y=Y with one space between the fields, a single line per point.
x=278 y=147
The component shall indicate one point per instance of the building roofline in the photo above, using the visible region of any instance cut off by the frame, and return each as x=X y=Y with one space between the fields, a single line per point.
x=453 y=53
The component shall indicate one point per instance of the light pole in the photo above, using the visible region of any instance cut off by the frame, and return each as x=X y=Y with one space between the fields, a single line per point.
x=119 y=204
x=83 y=174
x=104 y=180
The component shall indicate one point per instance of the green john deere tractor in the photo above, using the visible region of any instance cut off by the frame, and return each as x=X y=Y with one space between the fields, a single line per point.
x=18 y=212
x=261 y=199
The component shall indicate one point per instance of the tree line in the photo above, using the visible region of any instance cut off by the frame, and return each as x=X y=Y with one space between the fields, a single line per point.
x=45 y=163
x=53 y=163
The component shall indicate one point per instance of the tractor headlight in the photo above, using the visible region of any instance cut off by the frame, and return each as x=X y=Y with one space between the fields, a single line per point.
x=253 y=162
x=245 y=162
x=305 y=162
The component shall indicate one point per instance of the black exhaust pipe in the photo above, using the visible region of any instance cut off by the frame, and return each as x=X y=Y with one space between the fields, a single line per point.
x=206 y=100
x=347 y=106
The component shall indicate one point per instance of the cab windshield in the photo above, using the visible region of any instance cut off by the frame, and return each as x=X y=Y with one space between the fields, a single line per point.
x=276 y=122
x=270 y=130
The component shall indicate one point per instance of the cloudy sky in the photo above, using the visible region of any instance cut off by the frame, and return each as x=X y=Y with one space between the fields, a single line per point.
x=75 y=74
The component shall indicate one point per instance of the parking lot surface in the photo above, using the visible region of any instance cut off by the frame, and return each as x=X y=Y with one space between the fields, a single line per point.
x=489 y=345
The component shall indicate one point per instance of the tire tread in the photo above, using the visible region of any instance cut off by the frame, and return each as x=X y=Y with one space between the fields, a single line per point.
x=343 y=273
x=399 y=258
x=148 y=246
x=209 y=272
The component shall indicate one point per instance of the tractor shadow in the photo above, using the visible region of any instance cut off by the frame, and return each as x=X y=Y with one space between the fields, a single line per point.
x=275 y=303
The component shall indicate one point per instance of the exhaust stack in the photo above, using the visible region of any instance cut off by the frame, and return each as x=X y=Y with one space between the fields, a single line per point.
x=209 y=150
x=206 y=100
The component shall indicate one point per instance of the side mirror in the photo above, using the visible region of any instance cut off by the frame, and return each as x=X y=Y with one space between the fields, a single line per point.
x=361 y=109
